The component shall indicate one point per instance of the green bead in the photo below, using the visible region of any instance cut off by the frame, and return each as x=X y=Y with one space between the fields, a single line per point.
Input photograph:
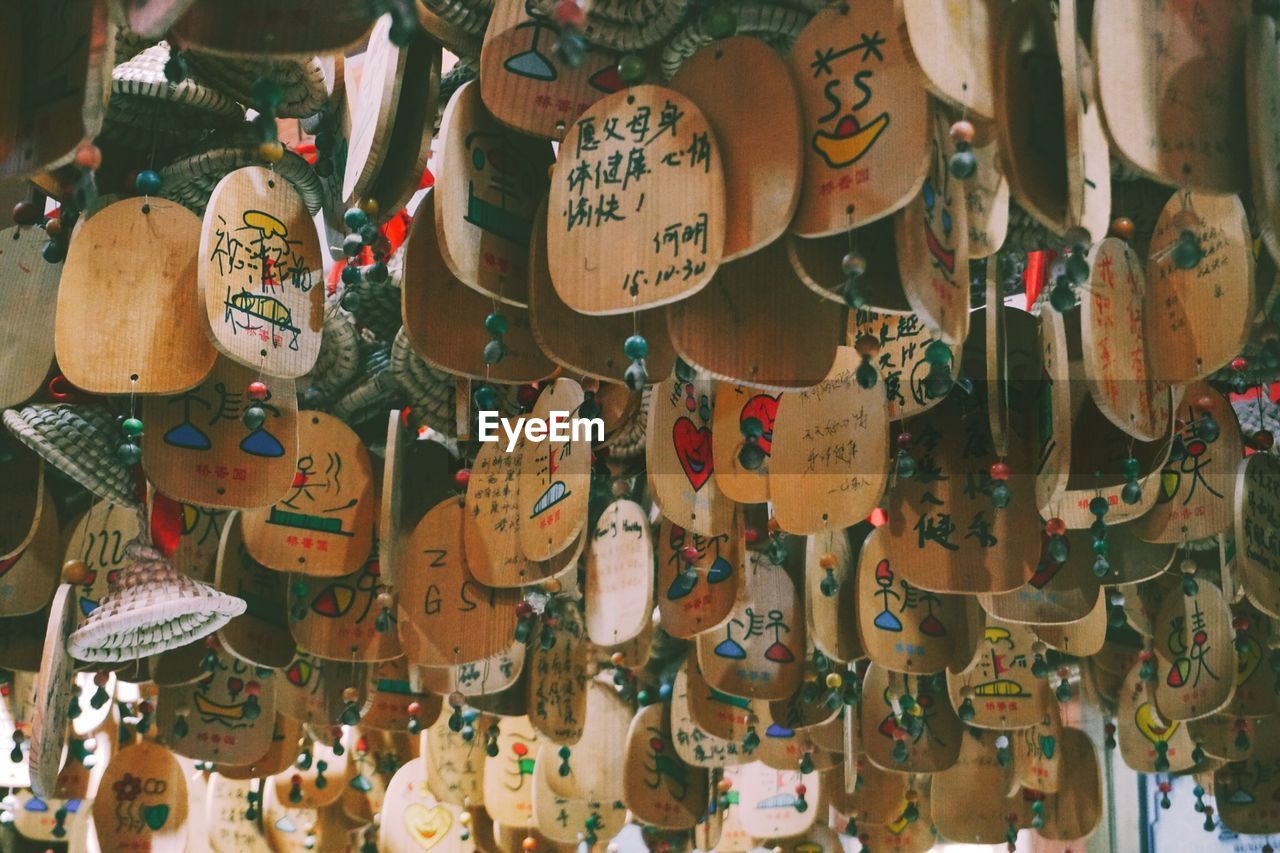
x=636 y=376
x=720 y=22
x=1131 y=468
x=1062 y=298
x=1077 y=269
x=485 y=398
x=53 y=252
x=751 y=741
x=1131 y=493
x=355 y=219
x=1000 y=495
x=132 y=427
x=1100 y=547
x=1037 y=806
x=266 y=94
x=1039 y=668
x=966 y=712
x=806 y=764
x=1189 y=586
x=1099 y=506
x=631 y=69
x=1063 y=692
x=906 y=701
x=1187 y=252
x=128 y=453
x=854 y=293
x=751 y=427
x=937 y=353
x=1059 y=549
x=900 y=751
x=906 y=465
x=866 y=375
x=636 y=347
x=254 y=417
x=938 y=382
x=1209 y=430
x=1101 y=568
x=350 y=715
x=175 y=69
x=829 y=585
x=494 y=351
x=564 y=752
x=963 y=164
x=751 y=456
x=496 y=324
x=147 y=182
x=643 y=697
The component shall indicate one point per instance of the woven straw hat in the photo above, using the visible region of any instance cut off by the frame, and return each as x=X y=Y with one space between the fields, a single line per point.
x=629 y=443
x=430 y=392
x=376 y=305
x=301 y=81
x=773 y=24
x=150 y=609
x=375 y=391
x=1257 y=414
x=77 y=440
x=626 y=24
x=470 y=16
x=338 y=362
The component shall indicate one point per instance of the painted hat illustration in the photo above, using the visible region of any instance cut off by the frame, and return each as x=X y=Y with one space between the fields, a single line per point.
x=77 y=439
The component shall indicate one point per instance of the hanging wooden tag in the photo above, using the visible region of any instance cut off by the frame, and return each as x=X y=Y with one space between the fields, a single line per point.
x=228 y=716
x=27 y=304
x=651 y=235
x=142 y=801
x=324 y=526
x=689 y=606
x=486 y=197
x=951 y=47
x=1056 y=593
x=241 y=28
x=1115 y=344
x=526 y=84
x=945 y=532
x=659 y=788
x=767 y=799
x=1262 y=105
x=903 y=339
x=902 y=628
x=899 y=833
x=280 y=755
x=289 y=827
x=1169 y=82
x=883 y=720
x=998 y=681
x=1216 y=734
x=1053 y=427
x=199 y=535
x=755 y=323
x=454 y=766
x=986 y=194
x=411 y=819
x=1082 y=638
x=830 y=467
x=491 y=527
x=759 y=651
x=1075 y=809
x=103 y=285
x=619 y=582
x=1193 y=644
x=558 y=681
x=454 y=340
x=970 y=800
x=1140 y=727
x=830 y=554
x=725 y=716
x=260 y=273
x=1196 y=320
x=1257 y=506
x=231 y=831
x=508 y=776
x=334 y=767
x=1038 y=761
x=932 y=238
x=261 y=634
x=443 y=615
x=98 y=538
x=393 y=694
x=312 y=689
x=695 y=745
x=735 y=404
x=337 y=617
x=554 y=474
x=1087 y=149
x=1197 y=485
x=681 y=466
x=1246 y=791
x=819 y=262
x=53 y=695
x=564 y=819
x=865 y=118
x=864 y=793
x=495 y=674
x=735 y=81
x=29 y=575
x=200 y=451
x=596 y=764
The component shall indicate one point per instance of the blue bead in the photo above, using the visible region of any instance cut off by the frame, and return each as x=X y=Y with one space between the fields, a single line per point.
x=148 y=182
x=636 y=347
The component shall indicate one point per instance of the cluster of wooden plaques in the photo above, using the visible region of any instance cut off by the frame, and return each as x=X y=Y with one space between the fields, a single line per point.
x=900 y=570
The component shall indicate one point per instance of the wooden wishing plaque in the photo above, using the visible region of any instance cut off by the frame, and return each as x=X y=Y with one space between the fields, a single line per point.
x=755 y=323
x=1056 y=593
x=261 y=634
x=1196 y=675
x=658 y=787
x=486 y=196
x=932 y=238
x=1246 y=791
x=680 y=463
x=735 y=404
x=336 y=617
x=199 y=535
x=970 y=800
x=444 y=617
x=554 y=477
x=491 y=528
x=494 y=674
x=903 y=340
x=1140 y=728
x=104 y=287
x=310 y=689
x=865 y=118
x=1112 y=309
x=735 y=81
x=562 y=819
x=1262 y=105
x=1004 y=693
x=1196 y=488
x=830 y=452
x=986 y=194
x=1196 y=320
x=619 y=582
x=557 y=683
x=27 y=304
x=142 y=801
x=651 y=235
x=903 y=628
x=508 y=776
x=53 y=695
x=937 y=745
x=324 y=526
x=946 y=533
x=454 y=340
x=1257 y=506
x=1169 y=82
x=759 y=652
x=260 y=273
x=412 y=819
x=819 y=262
x=1037 y=761
x=455 y=766
x=229 y=830
x=597 y=762
x=1075 y=809
x=832 y=628
x=228 y=716
x=950 y=44
x=767 y=799
x=287 y=27
x=22 y=503
x=99 y=537
x=199 y=450
x=696 y=746
x=689 y=608
x=525 y=83
x=332 y=766
x=29 y=575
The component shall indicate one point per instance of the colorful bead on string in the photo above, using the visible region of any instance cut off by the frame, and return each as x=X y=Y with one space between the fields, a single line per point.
x=853 y=266
x=636 y=348
x=867 y=346
x=1099 y=506
x=963 y=164
x=571 y=45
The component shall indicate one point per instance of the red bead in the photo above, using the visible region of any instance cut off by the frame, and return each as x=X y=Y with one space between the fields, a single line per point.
x=27 y=213
x=962 y=132
x=211 y=642
x=296 y=780
x=1109 y=728
x=1146 y=655
x=1055 y=527
x=689 y=553
x=750 y=535
x=462 y=476
x=801 y=790
x=1262 y=439
x=904 y=440
x=253 y=688
x=1122 y=227
x=362 y=744
x=146 y=707
x=527 y=395
x=257 y=390
x=88 y=156
x=1165 y=787
x=1242 y=725
x=414 y=709
x=1204 y=403
x=373 y=569
x=1011 y=817
x=1239 y=363
x=101 y=678
x=999 y=471
x=568 y=13
x=1240 y=622
x=523 y=610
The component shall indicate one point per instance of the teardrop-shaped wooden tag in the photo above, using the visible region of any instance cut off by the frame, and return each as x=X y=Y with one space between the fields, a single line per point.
x=261 y=275
x=27 y=304
x=1141 y=731
x=143 y=801
x=99 y=538
x=1193 y=644
x=767 y=799
x=998 y=681
x=261 y=634
x=555 y=474
x=564 y=819
x=694 y=744
x=454 y=765
x=659 y=788
x=689 y=605
x=883 y=719
x=1245 y=792
x=680 y=464
x=491 y=528
x=970 y=800
x=618 y=590
x=1257 y=506
x=104 y=286
x=558 y=680
x=508 y=776
x=228 y=716
x=596 y=765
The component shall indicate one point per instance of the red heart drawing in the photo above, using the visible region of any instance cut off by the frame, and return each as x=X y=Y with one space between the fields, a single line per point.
x=765 y=408
x=693 y=449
